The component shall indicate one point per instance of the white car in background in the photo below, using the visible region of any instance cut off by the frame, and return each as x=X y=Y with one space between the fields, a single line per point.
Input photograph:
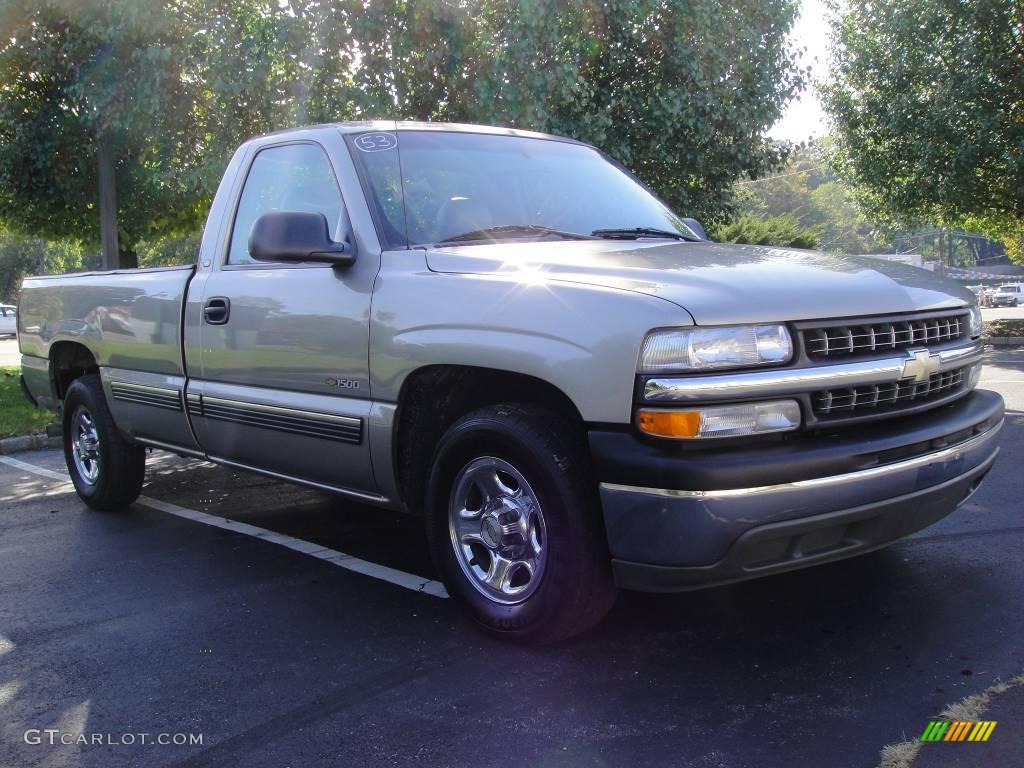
x=8 y=320
x=1015 y=292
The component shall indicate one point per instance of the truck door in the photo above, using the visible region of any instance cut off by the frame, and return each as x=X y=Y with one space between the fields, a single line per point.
x=283 y=380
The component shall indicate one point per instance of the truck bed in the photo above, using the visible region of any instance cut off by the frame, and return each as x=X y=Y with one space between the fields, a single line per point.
x=127 y=319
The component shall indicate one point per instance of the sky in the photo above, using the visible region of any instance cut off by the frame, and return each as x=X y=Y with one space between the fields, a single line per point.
x=804 y=118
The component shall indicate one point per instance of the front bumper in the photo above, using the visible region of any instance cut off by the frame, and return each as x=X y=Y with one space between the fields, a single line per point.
x=679 y=520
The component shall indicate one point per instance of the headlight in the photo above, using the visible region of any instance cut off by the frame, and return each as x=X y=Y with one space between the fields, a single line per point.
x=721 y=420
x=976 y=322
x=705 y=349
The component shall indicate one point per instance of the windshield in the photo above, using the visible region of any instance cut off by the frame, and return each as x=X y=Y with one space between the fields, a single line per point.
x=500 y=187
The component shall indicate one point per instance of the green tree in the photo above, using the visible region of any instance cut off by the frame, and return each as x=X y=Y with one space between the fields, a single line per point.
x=809 y=191
x=94 y=122
x=169 y=251
x=783 y=231
x=146 y=99
x=257 y=66
x=21 y=256
x=928 y=101
x=844 y=227
x=681 y=91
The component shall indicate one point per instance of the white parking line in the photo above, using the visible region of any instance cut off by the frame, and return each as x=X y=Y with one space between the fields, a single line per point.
x=41 y=471
x=340 y=559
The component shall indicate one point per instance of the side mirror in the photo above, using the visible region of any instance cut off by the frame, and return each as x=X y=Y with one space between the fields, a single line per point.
x=296 y=236
x=697 y=227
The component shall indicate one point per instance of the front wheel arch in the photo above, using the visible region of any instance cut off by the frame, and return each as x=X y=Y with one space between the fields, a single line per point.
x=435 y=397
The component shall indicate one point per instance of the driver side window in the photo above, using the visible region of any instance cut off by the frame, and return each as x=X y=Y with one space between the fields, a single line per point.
x=293 y=177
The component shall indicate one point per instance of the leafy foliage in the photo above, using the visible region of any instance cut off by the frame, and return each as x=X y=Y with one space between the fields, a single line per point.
x=1007 y=326
x=773 y=230
x=170 y=251
x=71 y=70
x=21 y=256
x=808 y=190
x=680 y=90
x=928 y=100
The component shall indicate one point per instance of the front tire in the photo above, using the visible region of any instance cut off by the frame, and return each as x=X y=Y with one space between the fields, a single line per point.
x=514 y=524
x=107 y=470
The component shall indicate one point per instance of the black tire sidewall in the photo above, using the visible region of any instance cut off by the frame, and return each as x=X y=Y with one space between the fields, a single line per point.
x=563 y=500
x=87 y=392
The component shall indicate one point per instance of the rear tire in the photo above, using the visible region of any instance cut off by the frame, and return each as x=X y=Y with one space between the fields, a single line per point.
x=514 y=524
x=106 y=469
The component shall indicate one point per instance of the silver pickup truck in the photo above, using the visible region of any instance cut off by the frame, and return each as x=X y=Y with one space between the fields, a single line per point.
x=508 y=334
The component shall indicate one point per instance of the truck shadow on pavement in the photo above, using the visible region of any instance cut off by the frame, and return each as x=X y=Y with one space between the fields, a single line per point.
x=816 y=667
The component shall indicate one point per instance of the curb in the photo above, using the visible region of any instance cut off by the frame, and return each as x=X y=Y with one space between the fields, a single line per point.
x=1006 y=341
x=37 y=442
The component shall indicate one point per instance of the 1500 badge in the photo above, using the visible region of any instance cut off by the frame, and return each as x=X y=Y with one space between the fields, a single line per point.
x=342 y=383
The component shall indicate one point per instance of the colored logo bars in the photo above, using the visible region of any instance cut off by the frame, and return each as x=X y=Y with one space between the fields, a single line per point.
x=958 y=730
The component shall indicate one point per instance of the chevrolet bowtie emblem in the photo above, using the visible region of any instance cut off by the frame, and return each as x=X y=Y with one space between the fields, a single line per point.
x=919 y=365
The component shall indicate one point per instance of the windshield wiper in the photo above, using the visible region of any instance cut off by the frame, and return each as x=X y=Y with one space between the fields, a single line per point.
x=634 y=233
x=515 y=230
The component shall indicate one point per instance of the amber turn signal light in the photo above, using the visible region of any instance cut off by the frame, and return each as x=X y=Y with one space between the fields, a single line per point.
x=669 y=423
x=720 y=420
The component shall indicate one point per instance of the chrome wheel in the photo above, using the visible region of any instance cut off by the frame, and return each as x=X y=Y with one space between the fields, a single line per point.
x=497 y=529
x=85 y=445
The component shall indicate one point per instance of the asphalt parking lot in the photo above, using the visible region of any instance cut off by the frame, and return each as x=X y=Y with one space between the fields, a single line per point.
x=154 y=621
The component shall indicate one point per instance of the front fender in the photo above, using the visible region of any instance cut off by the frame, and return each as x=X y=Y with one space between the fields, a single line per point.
x=582 y=339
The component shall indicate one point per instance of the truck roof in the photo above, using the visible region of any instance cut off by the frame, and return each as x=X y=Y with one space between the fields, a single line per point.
x=361 y=126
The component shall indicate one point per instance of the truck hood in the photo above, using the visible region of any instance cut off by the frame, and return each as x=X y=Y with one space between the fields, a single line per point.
x=718 y=283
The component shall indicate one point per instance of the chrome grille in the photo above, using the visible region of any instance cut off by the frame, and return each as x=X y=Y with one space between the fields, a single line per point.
x=860 y=339
x=847 y=401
